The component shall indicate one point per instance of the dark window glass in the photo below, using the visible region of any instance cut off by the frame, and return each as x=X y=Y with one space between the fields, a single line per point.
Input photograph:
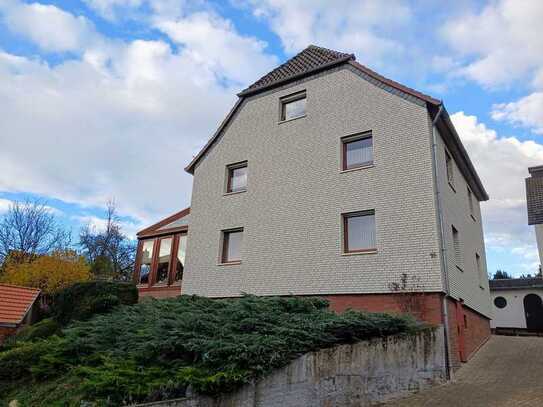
x=232 y=246
x=449 y=167
x=163 y=266
x=146 y=261
x=180 y=265
x=237 y=178
x=457 y=248
x=500 y=302
x=293 y=106
x=357 y=152
x=359 y=231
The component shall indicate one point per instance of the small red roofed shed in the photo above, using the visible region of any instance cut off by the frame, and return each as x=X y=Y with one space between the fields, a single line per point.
x=18 y=307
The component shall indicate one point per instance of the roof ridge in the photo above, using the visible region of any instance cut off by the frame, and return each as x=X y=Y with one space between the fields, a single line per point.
x=310 y=59
x=19 y=286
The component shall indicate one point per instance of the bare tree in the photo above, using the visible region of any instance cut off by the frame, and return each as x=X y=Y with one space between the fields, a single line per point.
x=110 y=252
x=29 y=229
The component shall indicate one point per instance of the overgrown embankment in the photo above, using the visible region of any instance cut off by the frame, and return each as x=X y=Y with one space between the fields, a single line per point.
x=155 y=349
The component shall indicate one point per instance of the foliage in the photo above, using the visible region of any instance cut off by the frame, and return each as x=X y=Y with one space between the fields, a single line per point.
x=501 y=275
x=43 y=329
x=82 y=300
x=155 y=349
x=109 y=251
x=50 y=273
x=30 y=229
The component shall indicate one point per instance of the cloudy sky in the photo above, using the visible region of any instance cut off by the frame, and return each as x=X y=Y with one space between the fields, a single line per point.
x=104 y=99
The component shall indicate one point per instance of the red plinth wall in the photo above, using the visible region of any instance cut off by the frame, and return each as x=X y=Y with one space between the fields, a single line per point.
x=160 y=292
x=468 y=330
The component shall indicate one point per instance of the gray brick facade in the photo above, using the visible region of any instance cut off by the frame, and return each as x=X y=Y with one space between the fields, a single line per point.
x=296 y=193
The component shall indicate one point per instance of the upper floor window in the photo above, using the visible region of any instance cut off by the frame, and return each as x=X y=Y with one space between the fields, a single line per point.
x=146 y=260
x=457 y=248
x=237 y=177
x=359 y=232
x=357 y=151
x=231 y=246
x=480 y=271
x=470 y=203
x=293 y=106
x=450 y=168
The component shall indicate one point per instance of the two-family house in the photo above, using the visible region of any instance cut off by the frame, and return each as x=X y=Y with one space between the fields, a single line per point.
x=328 y=179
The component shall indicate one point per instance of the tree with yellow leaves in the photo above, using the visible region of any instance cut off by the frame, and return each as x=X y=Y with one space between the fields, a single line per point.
x=50 y=273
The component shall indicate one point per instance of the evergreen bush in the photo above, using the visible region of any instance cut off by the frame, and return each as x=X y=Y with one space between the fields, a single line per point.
x=82 y=300
x=155 y=349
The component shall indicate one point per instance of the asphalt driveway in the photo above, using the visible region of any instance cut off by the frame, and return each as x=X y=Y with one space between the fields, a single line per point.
x=507 y=371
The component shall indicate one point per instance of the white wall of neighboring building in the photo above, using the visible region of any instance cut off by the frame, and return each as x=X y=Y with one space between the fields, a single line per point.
x=512 y=316
x=539 y=238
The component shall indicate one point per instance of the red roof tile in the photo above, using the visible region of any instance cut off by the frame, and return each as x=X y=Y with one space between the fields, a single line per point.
x=15 y=302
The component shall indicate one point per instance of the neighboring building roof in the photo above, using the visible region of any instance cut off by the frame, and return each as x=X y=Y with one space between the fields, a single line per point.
x=315 y=59
x=178 y=222
x=516 y=283
x=534 y=195
x=15 y=302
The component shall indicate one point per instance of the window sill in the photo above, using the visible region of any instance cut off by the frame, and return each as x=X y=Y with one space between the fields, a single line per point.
x=234 y=192
x=452 y=186
x=369 y=251
x=230 y=263
x=473 y=217
x=362 y=167
x=289 y=120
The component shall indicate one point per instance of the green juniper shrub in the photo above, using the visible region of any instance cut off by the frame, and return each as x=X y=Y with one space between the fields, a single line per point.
x=43 y=329
x=82 y=300
x=154 y=350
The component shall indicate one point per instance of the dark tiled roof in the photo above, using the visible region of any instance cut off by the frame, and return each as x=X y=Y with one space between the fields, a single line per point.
x=15 y=302
x=516 y=283
x=534 y=196
x=311 y=59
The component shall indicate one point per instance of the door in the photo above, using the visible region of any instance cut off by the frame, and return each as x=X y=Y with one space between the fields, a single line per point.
x=533 y=309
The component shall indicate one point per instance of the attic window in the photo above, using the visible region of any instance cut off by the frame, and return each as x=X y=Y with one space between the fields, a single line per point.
x=293 y=106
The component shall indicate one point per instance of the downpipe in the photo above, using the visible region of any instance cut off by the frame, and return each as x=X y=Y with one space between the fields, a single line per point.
x=443 y=257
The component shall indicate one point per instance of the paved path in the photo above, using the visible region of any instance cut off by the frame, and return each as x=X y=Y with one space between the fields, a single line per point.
x=507 y=371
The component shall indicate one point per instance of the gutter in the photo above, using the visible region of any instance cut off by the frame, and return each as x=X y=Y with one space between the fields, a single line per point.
x=443 y=249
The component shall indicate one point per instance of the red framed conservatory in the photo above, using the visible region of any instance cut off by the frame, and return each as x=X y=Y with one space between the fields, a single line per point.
x=160 y=257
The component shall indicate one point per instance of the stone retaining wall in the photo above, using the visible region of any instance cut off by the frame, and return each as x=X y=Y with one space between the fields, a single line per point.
x=361 y=374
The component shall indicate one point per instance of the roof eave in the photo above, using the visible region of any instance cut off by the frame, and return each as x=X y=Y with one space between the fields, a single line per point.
x=192 y=165
x=479 y=189
x=153 y=228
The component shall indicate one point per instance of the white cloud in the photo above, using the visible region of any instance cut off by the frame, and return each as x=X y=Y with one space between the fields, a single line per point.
x=501 y=43
x=363 y=27
x=122 y=120
x=525 y=112
x=502 y=163
x=214 y=43
x=51 y=28
x=4 y=205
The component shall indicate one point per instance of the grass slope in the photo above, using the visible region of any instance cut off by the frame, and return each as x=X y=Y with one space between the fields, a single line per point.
x=155 y=349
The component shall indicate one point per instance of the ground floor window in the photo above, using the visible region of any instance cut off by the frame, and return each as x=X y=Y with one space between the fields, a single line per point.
x=161 y=260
